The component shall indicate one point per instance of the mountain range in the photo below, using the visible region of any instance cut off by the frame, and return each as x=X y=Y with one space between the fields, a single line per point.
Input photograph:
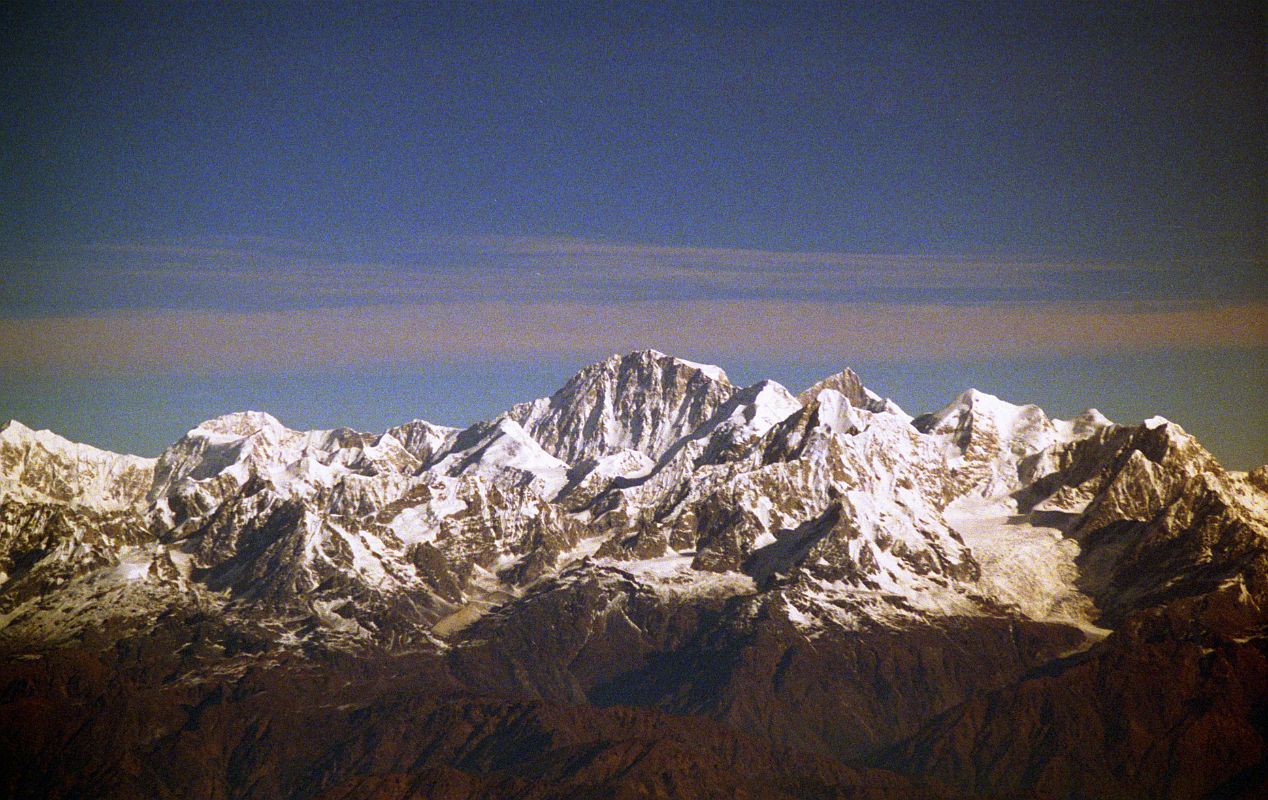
x=653 y=583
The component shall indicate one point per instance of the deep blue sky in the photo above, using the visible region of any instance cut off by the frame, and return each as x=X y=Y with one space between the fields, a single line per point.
x=192 y=163
x=1103 y=129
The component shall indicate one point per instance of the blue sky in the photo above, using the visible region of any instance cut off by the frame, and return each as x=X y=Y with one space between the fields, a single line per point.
x=368 y=214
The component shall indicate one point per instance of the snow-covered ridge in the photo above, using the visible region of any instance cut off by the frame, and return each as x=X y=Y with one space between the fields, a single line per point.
x=40 y=466
x=987 y=439
x=710 y=371
x=502 y=450
x=835 y=501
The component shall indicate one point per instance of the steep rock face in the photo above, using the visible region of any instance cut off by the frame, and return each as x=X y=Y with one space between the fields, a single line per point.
x=48 y=545
x=591 y=478
x=851 y=387
x=771 y=509
x=731 y=433
x=988 y=440
x=1155 y=516
x=328 y=534
x=39 y=466
x=66 y=511
x=422 y=439
x=644 y=401
x=1174 y=551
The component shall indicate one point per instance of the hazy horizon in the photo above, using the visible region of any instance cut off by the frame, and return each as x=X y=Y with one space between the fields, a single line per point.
x=141 y=414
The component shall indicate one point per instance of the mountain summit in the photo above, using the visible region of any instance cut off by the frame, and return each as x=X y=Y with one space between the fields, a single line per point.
x=973 y=596
x=645 y=401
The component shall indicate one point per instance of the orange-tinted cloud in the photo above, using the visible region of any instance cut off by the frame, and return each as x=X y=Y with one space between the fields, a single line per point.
x=710 y=330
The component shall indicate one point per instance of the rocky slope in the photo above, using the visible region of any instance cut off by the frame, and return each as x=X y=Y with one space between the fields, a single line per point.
x=819 y=572
x=79 y=725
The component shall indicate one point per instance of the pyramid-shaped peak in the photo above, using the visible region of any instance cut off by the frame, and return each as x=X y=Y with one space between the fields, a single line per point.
x=850 y=385
x=643 y=401
x=973 y=406
x=242 y=423
x=654 y=359
x=1094 y=415
x=501 y=450
x=761 y=405
x=503 y=433
x=1089 y=422
x=766 y=386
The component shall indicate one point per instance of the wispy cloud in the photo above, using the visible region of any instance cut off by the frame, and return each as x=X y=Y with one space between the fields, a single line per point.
x=272 y=304
x=269 y=275
x=715 y=330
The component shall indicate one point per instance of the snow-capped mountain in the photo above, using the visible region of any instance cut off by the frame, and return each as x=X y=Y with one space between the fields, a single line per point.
x=651 y=534
x=42 y=466
x=645 y=401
